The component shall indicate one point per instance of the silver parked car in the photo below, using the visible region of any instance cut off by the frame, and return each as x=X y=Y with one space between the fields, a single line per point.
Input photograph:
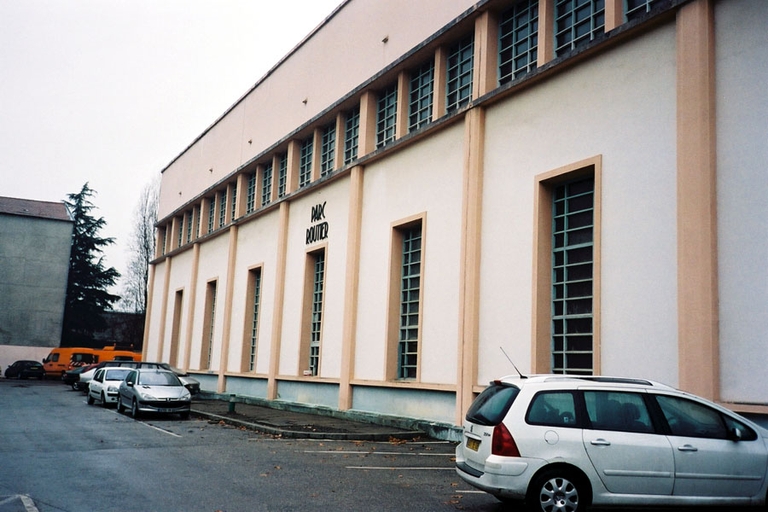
x=152 y=390
x=562 y=443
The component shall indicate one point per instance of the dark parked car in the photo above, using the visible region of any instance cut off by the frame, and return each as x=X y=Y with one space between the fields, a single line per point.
x=25 y=370
x=72 y=377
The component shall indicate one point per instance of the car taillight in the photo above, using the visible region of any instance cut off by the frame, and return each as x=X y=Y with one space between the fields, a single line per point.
x=503 y=443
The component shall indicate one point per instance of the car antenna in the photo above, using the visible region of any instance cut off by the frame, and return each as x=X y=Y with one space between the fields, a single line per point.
x=513 y=364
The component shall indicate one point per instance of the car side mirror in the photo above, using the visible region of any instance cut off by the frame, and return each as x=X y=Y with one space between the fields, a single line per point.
x=129 y=384
x=735 y=434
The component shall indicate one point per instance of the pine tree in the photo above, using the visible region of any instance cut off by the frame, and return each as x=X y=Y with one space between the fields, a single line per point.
x=89 y=279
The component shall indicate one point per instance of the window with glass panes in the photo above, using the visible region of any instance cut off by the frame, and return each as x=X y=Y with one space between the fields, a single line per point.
x=210 y=321
x=518 y=40
x=351 y=134
x=459 y=73
x=254 y=334
x=266 y=185
x=233 y=202
x=386 y=118
x=189 y=226
x=410 y=291
x=222 y=208
x=180 y=239
x=577 y=22
x=316 y=327
x=328 y=150
x=197 y=222
x=250 y=199
x=572 y=277
x=282 y=175
x=305 y=162
x=637 y=8
x=165 y=240
x=211 y=213
x=420 y=97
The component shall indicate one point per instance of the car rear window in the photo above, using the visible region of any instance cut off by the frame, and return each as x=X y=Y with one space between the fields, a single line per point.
x=490 y=407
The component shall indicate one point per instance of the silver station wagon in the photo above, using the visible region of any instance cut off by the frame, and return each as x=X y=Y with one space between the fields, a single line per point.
x=562 y=443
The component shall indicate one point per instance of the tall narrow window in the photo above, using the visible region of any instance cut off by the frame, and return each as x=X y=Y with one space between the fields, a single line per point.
x=577 y=22
x=188 y=224
x=420 y=105
x=282 y=175
x=518 y=40
x=222 y=208
x=209 y=323
x=636 y=8
x=211 y=213
x=312 y=328
x=252 y=333
x=233 y=203
x=266 y=185
x=386 y=117
x=164 y=245
x=459 y=73
x=572 y=277
x=197 y=222
x=180 y=239
x=328 y=150
x=176 y=327
x=410 y=293
x=250 y=201
x=305 y=161
x=351 y=134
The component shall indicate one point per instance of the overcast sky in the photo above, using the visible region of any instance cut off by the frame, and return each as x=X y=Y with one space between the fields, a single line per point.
x=110 y=91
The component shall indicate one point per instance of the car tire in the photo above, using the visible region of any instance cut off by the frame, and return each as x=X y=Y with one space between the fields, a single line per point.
x=104 y=402
x=74 y=387
x=120 y=407
x=557 y=490
x=134 y=409
x=90 y=399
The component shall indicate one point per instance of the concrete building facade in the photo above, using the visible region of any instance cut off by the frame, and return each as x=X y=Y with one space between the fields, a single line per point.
x=35 y=242
x=421 y=191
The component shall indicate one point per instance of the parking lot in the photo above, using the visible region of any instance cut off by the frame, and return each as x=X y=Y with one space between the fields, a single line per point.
x=65 y=455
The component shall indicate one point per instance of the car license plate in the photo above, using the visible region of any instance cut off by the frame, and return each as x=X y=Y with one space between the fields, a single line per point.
x=473 y=444
x=166 y=410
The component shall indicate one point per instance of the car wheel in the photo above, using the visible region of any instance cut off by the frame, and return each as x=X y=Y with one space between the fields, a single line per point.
x=104 y=402
x=90 y=399
x=557 y=491
x=74 y=387
x=134 y=409
x=120 y=407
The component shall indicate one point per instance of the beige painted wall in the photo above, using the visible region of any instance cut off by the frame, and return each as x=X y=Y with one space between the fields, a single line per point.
x=320 y=71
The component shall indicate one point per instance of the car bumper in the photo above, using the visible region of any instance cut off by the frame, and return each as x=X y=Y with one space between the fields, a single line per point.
x=506 y=477
x=165 y=407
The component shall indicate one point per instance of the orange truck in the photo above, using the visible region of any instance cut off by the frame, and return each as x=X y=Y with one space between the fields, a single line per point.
x=65 y=358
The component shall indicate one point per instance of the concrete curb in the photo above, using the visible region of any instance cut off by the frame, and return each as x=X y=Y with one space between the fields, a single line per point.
x=294 y=434
x=435 y=430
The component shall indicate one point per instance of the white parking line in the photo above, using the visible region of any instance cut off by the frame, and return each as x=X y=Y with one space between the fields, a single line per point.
x=402 y=468
x=364 y=452
x=161 y=429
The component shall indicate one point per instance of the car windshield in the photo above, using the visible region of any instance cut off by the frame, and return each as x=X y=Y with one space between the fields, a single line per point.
x=490 y=407
x=158 y=379
x=116 y=374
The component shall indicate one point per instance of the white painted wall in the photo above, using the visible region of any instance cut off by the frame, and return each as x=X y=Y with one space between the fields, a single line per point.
x=621 y=106
x=742 y=189
x=423 y=178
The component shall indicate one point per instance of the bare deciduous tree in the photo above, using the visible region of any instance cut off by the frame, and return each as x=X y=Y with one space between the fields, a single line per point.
x=141 y=250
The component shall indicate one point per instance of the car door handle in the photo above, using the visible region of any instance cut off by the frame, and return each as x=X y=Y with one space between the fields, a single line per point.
x=600 y=442
x=687 y=448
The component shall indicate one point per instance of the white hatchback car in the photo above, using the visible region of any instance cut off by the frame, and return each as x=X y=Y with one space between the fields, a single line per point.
x=562 y=443
x=105 y=384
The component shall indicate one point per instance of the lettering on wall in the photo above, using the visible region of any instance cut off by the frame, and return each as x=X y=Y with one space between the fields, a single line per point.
x=319 y=229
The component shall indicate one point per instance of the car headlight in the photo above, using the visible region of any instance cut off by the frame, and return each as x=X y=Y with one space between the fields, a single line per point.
x=146 y=397
x=186 y=395
x=112 y=389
